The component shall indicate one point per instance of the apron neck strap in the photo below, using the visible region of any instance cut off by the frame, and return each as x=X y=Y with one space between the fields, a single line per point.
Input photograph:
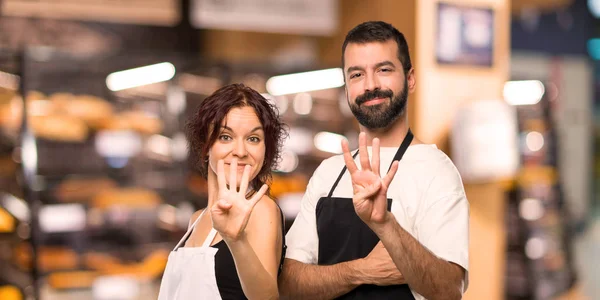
x=403 y=147
x=189 y=231
x=210 y=237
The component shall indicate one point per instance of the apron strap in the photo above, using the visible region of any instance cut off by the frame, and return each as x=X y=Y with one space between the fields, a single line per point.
x=284 y=245
x=403 y=147
x=209 y=238
x=189 y=231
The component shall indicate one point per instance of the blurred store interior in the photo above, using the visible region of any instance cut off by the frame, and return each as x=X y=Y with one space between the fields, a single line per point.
x=95 y=182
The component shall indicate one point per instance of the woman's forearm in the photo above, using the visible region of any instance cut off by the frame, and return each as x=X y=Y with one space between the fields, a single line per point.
x=257 y=282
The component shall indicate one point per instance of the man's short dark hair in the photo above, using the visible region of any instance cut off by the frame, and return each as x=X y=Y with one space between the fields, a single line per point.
x=378 y=31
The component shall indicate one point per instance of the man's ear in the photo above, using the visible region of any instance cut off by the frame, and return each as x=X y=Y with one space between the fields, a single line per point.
x=411 y=80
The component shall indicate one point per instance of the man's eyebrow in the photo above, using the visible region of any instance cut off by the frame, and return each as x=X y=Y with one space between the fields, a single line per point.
x=378 y=65
x=354 y=68
x=384 y=63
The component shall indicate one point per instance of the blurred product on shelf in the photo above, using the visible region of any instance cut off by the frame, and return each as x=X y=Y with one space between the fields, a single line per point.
x=132 y=120
x=282 y=185
x=82 y=189
x=92 y=110
x=49 y=258
x=143 y=122
x=22 y=256
x=133 y=198
x=150 y=268
x=52 y=258
x=8 y=166
x=11 y=109
x=98 y=265
x=7 y=222
x=70 y=118
x=532 y=175
x=197 y=184
x=9 y=292
x=14 y=263
x=59 y=128
x=72 y=279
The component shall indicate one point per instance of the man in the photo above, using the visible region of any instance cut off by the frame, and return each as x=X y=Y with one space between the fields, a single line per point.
x=361 y=235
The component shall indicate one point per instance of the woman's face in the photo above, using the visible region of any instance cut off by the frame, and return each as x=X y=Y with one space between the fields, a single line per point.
x=240 y=136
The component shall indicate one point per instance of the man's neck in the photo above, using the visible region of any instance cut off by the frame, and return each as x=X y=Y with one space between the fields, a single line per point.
x=391 y=136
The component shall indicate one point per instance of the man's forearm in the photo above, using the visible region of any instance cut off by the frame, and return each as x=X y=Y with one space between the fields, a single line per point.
x=425 y=273
x=306 y=281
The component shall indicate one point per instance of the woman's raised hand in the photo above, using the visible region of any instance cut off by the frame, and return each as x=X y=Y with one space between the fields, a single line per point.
x=231 y=212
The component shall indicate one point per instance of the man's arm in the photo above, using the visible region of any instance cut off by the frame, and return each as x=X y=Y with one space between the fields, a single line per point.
x=444 y=225
x=425 y=273
x=307 y=281
x=301 y=278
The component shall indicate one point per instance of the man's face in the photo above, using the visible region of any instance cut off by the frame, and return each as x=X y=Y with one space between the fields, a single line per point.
x=376 y=86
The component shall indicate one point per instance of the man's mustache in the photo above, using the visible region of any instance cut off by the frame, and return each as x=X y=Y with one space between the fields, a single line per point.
x=370 y=95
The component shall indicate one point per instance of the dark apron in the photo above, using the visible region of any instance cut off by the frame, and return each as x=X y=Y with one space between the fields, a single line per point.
x=343 y=236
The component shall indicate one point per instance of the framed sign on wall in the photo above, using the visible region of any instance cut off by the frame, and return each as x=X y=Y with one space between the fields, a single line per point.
x=465 y=35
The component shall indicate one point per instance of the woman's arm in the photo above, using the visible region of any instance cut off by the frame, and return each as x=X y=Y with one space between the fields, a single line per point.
x=257 y=253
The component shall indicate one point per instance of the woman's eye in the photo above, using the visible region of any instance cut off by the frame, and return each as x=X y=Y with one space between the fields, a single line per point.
x=224 y=137
x=254 y=139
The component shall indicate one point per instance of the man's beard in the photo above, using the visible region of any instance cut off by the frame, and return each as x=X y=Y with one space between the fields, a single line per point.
x=380 y=115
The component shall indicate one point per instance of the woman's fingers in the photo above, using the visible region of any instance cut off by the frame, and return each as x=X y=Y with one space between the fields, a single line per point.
x=221 y=182
x=258 y=196
x=223 y=204
x=233 y=175
x=245 y=179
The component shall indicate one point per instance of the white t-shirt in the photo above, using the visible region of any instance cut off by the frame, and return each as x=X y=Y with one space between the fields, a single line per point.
x=428 y=201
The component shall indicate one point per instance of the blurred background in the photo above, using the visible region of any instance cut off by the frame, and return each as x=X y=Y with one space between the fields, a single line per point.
x=96 y=185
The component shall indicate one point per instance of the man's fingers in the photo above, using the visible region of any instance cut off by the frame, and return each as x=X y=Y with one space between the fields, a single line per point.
x=363 y=153
x=348 y=160
x=375 y=157
x=387 y=179
x=369 y=191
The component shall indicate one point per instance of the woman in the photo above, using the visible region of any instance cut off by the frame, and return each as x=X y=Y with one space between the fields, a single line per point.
x=234 y=248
